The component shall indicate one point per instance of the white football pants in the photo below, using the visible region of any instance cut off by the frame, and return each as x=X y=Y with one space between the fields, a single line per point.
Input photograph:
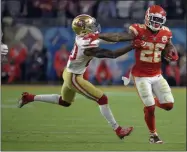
x=148 y=87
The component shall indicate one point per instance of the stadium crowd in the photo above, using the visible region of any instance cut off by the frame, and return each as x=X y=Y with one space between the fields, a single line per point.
x=97 y=8
x=37 y=57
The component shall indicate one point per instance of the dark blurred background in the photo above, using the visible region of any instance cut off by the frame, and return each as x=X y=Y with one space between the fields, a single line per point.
x=39 y=36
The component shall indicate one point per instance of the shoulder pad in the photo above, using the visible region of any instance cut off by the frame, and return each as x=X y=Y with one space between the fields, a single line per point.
x=165 y=28
x=167 y=31
x=135 y=28
x=91 y=36
x=87 y=42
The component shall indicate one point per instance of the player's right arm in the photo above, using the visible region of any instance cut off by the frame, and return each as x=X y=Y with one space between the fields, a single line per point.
x=121 y=37
x=105 y=53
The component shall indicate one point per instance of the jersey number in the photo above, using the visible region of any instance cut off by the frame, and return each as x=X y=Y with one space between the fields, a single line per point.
x=74 y=52
x=152 y=55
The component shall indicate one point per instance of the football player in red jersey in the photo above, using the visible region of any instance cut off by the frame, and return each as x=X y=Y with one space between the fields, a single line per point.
x=150 y=39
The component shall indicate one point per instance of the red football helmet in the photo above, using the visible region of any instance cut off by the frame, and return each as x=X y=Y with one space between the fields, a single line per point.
x=155 y=17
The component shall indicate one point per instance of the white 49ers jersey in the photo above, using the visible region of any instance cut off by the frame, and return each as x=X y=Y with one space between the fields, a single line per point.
x=78 y=62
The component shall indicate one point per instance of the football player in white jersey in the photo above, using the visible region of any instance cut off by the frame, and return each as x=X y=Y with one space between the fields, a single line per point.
x=4 y=50
x=85 y=48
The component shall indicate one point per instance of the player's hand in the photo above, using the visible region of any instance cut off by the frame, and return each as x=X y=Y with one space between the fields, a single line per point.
x=4 y=49
x=137 y=43
x=172 y=56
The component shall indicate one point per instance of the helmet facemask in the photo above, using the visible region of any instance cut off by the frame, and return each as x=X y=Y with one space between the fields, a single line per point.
x=94 y=27
x=155 y=21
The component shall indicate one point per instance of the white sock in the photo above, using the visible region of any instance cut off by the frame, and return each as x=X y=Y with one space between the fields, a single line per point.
x=106 y=112
x=49 y=98
x=155 y=133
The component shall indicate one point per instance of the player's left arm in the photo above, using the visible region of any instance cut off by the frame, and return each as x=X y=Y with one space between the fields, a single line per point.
x=106 y=53
x=171 y=52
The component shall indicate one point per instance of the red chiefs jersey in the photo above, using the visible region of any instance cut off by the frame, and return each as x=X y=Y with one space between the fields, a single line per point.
x=148 y=58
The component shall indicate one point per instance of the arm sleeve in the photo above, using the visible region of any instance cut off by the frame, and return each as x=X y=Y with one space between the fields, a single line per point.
x=170 y=35
x=167 y=32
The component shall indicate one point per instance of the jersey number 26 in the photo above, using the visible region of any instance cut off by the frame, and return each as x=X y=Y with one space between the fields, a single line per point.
x=152 y=55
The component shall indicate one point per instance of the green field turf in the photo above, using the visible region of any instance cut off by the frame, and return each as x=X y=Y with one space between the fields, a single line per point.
x=41 y=126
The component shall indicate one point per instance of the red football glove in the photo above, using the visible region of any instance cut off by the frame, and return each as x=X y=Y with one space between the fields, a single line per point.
x=139 y=44
x=172 y=56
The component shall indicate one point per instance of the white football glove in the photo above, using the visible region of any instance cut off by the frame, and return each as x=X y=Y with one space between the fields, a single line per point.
x=4 y=49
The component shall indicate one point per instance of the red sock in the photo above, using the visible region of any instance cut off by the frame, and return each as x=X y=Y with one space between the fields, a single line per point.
x=165 y=106
x=103 y=100
x=150 y=118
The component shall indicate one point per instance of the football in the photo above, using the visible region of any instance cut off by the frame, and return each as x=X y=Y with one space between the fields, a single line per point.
x=166 y=51
x=170 y=53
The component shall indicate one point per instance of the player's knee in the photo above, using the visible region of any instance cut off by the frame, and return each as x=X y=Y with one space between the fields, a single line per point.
x=64 y=103
x=146 y=94
x=103 y=100
x=168 y=97
x=148 y=101
x=149 y=110
x=168 y=106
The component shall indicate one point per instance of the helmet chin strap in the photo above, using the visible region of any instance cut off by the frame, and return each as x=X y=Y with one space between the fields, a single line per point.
x=154 y=31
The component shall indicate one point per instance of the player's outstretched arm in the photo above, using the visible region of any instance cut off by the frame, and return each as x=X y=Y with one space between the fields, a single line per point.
x=105 y=53
x=116 y=37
